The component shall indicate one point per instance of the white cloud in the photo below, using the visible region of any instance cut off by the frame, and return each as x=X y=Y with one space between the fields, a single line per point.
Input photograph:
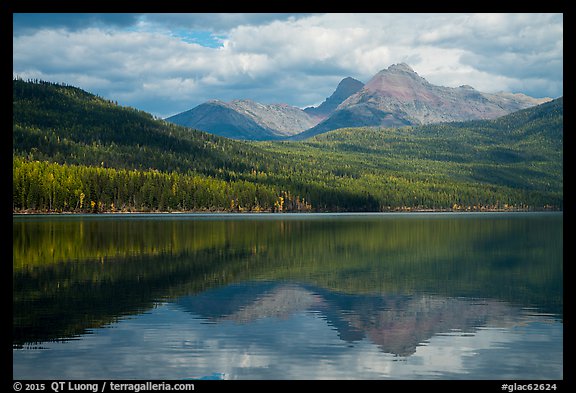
x=150 y=62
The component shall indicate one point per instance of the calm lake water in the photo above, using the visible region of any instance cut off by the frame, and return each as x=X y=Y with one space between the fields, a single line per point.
x=289 y=296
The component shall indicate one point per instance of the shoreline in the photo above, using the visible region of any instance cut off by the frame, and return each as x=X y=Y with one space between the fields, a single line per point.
x=228 y=212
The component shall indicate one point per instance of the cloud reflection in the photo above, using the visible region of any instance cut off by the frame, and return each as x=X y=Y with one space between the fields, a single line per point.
x=396 y=324
x=291 y=331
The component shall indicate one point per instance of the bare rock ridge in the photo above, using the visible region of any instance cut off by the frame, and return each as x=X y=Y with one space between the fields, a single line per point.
x=394 y=97
x=282 y=119
x=345 y=89
x=245 y=119
x=398 y=96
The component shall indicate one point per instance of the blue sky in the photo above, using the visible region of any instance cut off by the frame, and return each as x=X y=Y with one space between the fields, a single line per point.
x=168 y=63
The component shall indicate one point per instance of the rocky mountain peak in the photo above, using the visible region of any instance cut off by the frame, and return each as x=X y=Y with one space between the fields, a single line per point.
x=348 y=84
x=400 y=67
x=399 y=81
x=347 y=87
x=398 y=96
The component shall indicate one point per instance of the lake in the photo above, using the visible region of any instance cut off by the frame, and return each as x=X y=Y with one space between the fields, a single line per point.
x=288 y=296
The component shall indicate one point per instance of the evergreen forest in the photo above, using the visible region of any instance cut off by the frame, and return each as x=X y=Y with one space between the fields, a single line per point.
x=76 y=152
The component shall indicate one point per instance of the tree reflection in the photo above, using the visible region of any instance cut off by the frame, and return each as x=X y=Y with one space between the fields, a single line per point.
x=73 y=274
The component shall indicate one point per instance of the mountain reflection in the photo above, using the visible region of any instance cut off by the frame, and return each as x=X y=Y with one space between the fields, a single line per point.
x=396 y=280
x=397 y=324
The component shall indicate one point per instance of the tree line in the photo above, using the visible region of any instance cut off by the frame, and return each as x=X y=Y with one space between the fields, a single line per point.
x=52 y=187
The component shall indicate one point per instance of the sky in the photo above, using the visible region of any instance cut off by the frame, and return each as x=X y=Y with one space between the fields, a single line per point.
x=165 y=64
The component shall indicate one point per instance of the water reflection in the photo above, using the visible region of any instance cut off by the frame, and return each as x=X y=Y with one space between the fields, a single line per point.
x=395 y=286
x=397 y=324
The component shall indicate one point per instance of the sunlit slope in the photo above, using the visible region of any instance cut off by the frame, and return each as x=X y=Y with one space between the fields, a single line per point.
x=513 y=160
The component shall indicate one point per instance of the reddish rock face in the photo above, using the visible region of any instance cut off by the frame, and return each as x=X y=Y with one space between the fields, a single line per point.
x=401 y=83
x=398 y=96
x=399 y=90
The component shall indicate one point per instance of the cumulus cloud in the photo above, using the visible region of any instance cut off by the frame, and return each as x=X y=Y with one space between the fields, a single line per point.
x=521 y=49
x=168 y=63
x=218 y=23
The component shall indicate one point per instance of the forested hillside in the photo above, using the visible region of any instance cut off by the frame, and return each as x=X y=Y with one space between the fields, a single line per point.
x=74 y=151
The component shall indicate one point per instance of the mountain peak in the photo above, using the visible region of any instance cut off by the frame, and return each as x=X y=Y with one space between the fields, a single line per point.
x=348 y=81
x=347 y=87
x=398 y=72
x=400 y=81
x=400 y=67
x=398 y=96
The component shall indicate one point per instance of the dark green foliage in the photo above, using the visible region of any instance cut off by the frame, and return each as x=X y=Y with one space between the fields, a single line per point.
x=63 y=124
x=124 y=159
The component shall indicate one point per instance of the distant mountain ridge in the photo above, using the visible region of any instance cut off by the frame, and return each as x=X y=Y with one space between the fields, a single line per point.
x=394 y=97
x=246 y=119
x=398 y=96
x=250 y=120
